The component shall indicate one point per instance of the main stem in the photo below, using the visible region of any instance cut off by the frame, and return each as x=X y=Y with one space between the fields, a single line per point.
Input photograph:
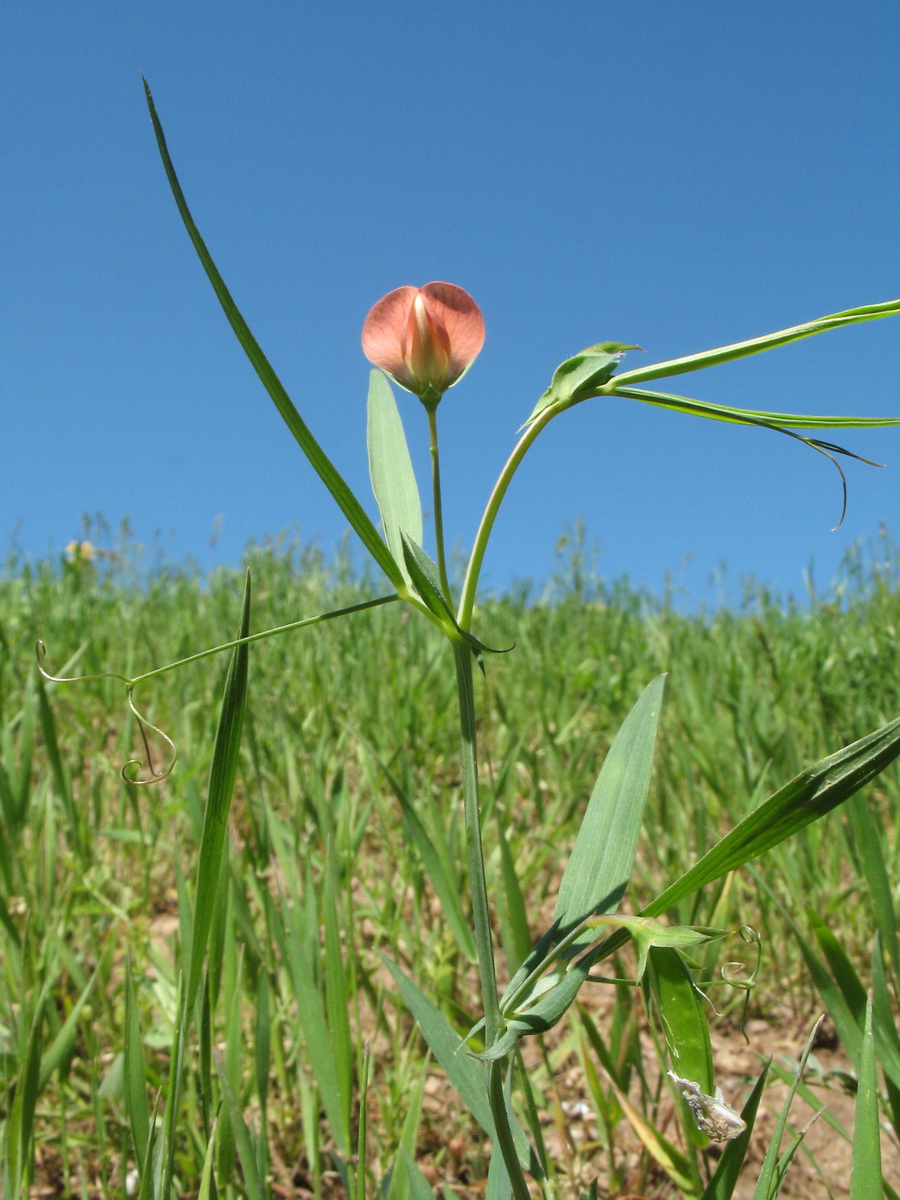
x=462 y=654
x=480 y=912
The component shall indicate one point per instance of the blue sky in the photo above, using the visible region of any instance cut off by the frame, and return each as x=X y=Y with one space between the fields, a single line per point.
x=675 y=175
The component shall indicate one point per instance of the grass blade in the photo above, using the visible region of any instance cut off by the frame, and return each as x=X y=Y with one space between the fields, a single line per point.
x=440 y=878
x=136 y=1107
x=209 y=868
x=768 y=1183
x=865 y=1171
x=337 y=1000
x=867 y=840
x=241 y=1133
x=316 y=1034
x=221 y=786
x=19 y=1138
x=724 y=1180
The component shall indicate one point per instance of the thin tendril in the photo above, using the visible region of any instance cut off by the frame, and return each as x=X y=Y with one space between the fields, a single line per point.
x=41 y=653
x=144 y=725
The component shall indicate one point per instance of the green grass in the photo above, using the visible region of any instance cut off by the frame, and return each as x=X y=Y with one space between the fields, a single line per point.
x=346 y=807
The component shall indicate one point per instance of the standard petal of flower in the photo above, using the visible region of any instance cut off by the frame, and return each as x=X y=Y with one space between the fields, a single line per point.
x=384 y=331
x=461 y=318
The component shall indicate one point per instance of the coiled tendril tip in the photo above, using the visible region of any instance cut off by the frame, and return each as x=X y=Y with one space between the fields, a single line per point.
x=130 y=776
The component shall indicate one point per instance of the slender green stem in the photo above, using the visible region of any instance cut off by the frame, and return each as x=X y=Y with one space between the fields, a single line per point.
x=481 y=915
x=504 y=1131
x=480 y=912
x=438 y=506
x=470 y=584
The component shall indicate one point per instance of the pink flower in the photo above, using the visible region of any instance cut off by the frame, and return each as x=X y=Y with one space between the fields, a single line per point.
x=424 y=338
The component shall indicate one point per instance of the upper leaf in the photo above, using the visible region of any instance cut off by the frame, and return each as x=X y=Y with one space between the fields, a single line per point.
x=391 y=471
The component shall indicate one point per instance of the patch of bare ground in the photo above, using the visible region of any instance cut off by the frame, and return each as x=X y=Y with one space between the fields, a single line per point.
x=453 y=1153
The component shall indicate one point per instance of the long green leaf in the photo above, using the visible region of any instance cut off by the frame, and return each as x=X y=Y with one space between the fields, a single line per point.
x=252 y=1182
x=682 y=1017
x=419 y=1187
x=511 y=910
x=399 y=1187
x=884 y=1020
x=855 y=999
x=463 y=1071
x=391 y=470
x=337 y=1000
x=804 y=799
x=752 y=416
x=316 y=1034
x=782 y=337
x=596 y=875
x=61 y=1047
x=546 y=1012
x=321 y=463
x=600 y=864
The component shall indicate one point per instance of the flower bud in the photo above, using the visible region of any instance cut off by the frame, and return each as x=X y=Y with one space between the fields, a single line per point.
x=424 y=338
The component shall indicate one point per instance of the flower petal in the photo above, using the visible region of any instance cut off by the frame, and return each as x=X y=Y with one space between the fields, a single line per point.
x=384 y=331
x=461 y=317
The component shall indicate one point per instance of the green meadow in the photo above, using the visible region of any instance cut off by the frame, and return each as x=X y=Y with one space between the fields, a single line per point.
x=345 y=848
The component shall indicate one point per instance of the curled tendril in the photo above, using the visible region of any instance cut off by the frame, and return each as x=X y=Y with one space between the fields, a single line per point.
x=131 y=769
x=144 y=726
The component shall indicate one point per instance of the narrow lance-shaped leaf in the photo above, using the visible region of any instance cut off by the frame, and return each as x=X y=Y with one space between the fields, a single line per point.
x=722 y=1184
x=600 y=864
x=136 y=1107
x=777 y=422
x=767 y=1184
x=804 y=799
x=423 y=573
x=750 y=416
x=736 y=350
x=321 y=463
x=391 y=470
x=682 y=1017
